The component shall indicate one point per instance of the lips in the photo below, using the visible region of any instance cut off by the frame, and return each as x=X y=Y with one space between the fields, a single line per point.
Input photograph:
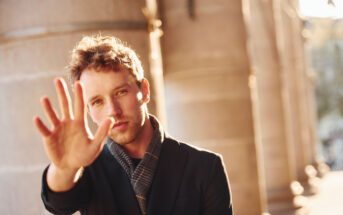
x=120 y=125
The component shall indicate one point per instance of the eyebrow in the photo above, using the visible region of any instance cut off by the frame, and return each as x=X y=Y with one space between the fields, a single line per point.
x=115 y=89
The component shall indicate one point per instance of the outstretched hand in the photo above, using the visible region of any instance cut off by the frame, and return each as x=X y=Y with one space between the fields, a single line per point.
x=69 y=144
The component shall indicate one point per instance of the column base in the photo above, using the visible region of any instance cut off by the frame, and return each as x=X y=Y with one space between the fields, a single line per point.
x=321 y=167
x=310 y=181
x=286 y=202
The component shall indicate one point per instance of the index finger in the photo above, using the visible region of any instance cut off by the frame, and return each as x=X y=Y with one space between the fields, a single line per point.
x=79 y=101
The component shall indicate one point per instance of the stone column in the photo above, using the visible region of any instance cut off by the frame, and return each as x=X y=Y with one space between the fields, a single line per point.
x=308 y=122
x=36 y=38
x=289 y=45
x=270 y=105
x=316 y=159
x=208 y=98
x=150 y=11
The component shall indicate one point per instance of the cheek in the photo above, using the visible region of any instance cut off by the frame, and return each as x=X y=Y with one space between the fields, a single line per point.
x=132 y=105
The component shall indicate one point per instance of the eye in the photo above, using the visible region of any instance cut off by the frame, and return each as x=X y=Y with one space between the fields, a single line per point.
x=121 y=92
x=96 y=102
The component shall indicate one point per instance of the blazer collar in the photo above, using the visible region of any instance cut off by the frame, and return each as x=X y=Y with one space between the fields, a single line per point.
x=168 y=175
x=125 y=197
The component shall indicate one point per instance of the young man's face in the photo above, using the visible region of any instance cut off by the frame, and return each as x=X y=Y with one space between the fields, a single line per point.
x=116 y=94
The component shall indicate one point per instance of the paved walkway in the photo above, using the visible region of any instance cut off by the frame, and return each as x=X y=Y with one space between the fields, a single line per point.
x=329 y=200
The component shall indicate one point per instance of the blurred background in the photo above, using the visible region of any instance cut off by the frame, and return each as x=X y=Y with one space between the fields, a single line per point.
x=323 y=31
x=258 y=81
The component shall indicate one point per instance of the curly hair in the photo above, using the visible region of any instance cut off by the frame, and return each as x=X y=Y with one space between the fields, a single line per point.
x=103 y=53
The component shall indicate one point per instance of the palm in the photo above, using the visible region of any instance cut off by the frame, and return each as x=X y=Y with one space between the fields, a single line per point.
x=70 y=145
x=66 y=146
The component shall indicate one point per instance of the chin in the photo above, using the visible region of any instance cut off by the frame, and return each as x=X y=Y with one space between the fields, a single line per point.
x=122 y=139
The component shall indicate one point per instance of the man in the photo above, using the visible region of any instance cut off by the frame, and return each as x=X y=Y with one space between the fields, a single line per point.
x=139 y=170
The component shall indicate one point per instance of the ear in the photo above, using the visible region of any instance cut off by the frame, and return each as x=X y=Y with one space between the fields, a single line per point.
x=145 y=87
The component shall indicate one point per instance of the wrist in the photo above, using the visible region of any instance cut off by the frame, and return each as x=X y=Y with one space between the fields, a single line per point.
x=65 y=172
x=60 y=180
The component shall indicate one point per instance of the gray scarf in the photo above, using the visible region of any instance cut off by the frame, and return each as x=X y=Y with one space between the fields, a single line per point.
x=141 y=176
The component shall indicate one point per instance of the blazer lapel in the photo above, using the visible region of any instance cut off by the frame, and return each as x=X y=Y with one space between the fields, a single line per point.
x=167 y=179
x=121 y=186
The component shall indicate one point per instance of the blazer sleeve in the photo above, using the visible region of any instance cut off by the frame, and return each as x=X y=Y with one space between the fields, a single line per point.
x=66 y=202
x=217 y=195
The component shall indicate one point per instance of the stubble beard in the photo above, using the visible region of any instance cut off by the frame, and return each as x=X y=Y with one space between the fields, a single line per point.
x=129 y=135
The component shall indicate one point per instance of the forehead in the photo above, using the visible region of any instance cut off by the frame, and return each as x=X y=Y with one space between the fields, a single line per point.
x=99 y=82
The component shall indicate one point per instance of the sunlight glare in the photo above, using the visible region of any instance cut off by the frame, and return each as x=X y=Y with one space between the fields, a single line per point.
x=321 y=8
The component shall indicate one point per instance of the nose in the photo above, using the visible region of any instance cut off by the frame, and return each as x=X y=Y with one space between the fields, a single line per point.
x=114 y=109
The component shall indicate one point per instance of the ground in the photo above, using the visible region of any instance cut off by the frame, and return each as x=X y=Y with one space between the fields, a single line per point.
x=329 y=200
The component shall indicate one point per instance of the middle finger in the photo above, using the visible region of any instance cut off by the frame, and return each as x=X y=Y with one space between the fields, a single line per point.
x=64 y=98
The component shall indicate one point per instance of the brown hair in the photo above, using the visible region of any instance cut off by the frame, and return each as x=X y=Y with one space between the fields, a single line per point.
x=105 y=53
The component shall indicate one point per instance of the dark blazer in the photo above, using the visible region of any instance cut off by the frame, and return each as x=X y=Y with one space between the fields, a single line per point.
x=187 y=181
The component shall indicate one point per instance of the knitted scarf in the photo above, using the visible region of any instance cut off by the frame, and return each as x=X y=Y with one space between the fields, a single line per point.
x=141 y=176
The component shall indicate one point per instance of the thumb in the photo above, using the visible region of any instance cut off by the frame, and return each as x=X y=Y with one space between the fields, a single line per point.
x=102 y=132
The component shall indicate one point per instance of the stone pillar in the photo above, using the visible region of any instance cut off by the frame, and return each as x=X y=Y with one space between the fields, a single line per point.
x=306 y=91
x=36 y=38
x=270 y=105
x=208 y=98
x=150 y=11
x=288 y=34
x=307 y=80
x=317 y=161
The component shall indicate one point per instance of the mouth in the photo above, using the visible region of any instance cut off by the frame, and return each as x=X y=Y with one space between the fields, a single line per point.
x=120 y=126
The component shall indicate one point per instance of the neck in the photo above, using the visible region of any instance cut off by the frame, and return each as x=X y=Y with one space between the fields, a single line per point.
x=137 y=148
